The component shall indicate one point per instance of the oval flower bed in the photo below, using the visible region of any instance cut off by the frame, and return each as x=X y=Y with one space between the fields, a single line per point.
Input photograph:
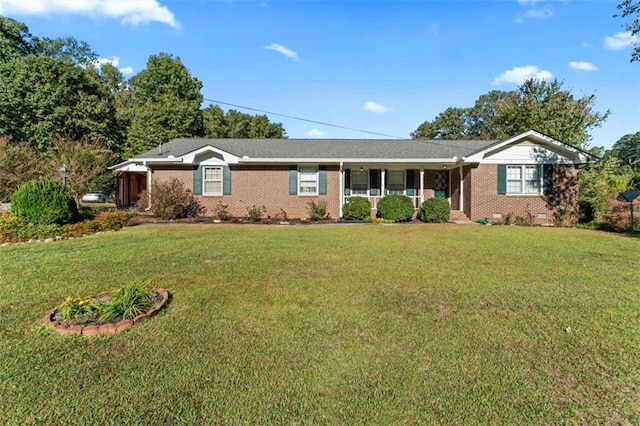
x=108 y=312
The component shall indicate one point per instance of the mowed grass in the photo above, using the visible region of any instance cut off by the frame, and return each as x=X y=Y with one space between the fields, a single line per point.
x=379 y=324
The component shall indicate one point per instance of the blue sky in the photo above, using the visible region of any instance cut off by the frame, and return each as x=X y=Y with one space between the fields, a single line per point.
x=381 y=66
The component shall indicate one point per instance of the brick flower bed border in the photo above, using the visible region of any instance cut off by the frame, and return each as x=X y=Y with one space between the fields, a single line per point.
x=109 y=328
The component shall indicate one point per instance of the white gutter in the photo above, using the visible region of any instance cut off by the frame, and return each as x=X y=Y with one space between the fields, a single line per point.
x=452 y=160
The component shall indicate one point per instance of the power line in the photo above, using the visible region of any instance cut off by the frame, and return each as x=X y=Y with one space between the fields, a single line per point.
x=305 y=119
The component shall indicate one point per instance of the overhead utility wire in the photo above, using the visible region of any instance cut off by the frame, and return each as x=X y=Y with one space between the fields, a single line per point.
x=304 y=119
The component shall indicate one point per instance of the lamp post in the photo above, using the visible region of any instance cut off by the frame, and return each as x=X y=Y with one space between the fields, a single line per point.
x=64 y=174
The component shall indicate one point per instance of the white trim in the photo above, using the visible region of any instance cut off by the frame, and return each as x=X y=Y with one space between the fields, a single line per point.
x=204 y=169
x=349 y=160
x=421 y=186
x=523 y=180
x=227 y=158
x=310 y=194
x=341 y=199
x=461 y=198
x=579 y=156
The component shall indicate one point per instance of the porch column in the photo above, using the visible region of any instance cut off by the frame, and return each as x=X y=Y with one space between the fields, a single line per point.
x=461 y=201
x=341 y=199
x=149 y=186
x=421 y=186
x=382 y=176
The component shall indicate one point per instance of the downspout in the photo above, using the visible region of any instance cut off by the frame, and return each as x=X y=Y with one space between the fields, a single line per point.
x=149 y=186
x=341 y=199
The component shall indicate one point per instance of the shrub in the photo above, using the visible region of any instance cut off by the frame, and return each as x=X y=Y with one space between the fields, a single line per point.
x=619 y=219
x=398 y=208
x=318 y=211
x=14 y=229
x=44 y=202
x=435 y=210
x=171 y=200
x=356 y=208
x=255 y=213
x=221 y=211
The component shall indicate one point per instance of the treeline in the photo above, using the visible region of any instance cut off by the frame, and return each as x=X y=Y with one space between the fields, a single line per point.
x=54 y=93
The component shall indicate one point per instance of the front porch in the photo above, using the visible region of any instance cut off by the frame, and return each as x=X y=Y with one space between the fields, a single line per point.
x=374 y=182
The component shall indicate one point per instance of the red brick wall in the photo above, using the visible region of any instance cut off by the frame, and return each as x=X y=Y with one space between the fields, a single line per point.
x=266 y=186
x=484 y=200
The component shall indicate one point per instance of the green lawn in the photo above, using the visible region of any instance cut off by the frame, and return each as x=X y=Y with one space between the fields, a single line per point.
x=380 y=324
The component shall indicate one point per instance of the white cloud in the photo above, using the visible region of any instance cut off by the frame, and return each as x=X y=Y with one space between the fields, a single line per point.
x=542 y=13
x=372 y=106
x=281 y=49
x=115 y=61
x=519 y=75
x=128 y=11
x=315 y=133
x=582 y=66
x=620 y=41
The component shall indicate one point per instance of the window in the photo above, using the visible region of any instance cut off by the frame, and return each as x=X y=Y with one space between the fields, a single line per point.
x=360 y=182
x=395 y=182
x=308 y=180
x=212 y=181
x=524 y=179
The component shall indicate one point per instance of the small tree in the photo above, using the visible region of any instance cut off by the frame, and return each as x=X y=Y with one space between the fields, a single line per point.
x=19 y=163
x=87 y=163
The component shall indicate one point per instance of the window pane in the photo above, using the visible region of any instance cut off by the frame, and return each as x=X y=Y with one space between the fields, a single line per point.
x=531 y=173
x=514 y=187
x=514 y=172
x=211 y=187
x=359 y=182
x=308 y=188
x=395 y=181
x=532 y=187
x=212 y=173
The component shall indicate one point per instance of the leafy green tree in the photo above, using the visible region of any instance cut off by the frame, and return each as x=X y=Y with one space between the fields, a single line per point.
x=452 y=123
x=627 y=149
x=482 y=116
x=87 y=163
x=165 y=104
x=44 y=98
x=601 y=182
x=235 y=124
x=631 y=8
x=19 y=163
x=215 y=125
x=422 y=132
x=15 y=39
x=545 y=107
x=67 y=48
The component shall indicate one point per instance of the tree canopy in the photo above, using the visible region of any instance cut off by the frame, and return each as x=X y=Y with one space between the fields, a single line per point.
x=631 y=8
x=235 y=124
x=536 y=104
x=165 y=104
x=627 y=149
x=44 y=98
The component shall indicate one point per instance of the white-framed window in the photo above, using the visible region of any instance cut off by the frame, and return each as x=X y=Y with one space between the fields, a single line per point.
x=212 y=180
x=360 y=182
x=395 y=182
x=308 y=180
x=523 y=179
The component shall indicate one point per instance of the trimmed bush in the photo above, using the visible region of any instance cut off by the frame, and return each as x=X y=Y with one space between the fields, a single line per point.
x=356 y=208
x=398 y=208
x=171 y=200
x=44 y=202
x=435 y=210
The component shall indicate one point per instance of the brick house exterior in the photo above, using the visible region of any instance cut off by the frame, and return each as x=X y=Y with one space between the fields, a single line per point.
x=529 y=176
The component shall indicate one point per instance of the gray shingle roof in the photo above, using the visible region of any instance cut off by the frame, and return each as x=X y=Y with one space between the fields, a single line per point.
x=324 y=148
